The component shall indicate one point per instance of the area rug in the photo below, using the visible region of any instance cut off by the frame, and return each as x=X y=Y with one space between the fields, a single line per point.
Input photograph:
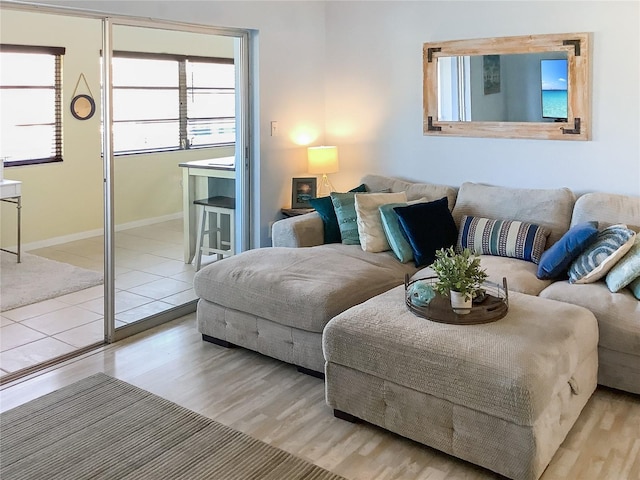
x=35 y=279
x=104 y=428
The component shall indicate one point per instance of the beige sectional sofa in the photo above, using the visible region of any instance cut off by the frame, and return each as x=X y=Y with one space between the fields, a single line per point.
x=277 y=301
x=339 y=310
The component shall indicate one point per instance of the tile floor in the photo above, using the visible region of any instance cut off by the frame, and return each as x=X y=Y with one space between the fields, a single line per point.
x=151 y=276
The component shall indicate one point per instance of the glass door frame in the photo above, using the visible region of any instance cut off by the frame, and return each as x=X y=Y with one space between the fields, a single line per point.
x=243 y=160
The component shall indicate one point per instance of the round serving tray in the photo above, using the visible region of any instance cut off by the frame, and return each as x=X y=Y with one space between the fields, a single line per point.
x=491 y=307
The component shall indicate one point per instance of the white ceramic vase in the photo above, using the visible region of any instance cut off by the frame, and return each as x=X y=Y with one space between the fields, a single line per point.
x=459 y=304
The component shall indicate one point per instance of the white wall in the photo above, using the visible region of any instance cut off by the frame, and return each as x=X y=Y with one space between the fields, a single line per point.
x=374 y=94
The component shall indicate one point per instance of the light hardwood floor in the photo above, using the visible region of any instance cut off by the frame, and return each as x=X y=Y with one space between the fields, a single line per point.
x=271 y=401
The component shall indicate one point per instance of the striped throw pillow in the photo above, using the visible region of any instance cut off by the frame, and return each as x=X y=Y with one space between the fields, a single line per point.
x=504 y=238
x=610 y=245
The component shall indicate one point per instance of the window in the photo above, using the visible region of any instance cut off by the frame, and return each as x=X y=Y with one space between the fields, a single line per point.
x=163 y=102
x=30 y=99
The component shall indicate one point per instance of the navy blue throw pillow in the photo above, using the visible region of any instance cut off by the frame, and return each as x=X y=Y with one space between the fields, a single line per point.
x=555 y=261
x=428 y=227
x=324 y=207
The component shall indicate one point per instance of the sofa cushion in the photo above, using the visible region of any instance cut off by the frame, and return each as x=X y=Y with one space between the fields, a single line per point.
x=414 y=191
x=429 y=227
x=504 y=238
x=626 y=270
x=299 y=287
x=369 y=221
x=556 y=260
x=324 y=207
x=549 y=208
x=520 y=274
x=608 y=209
x=602 y=254
x=617 y=313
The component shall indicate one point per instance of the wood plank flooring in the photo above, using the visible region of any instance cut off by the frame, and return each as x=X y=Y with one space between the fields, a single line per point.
x=271 y=401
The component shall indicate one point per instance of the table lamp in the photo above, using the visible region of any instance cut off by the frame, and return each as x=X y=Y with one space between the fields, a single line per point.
x=323 y=160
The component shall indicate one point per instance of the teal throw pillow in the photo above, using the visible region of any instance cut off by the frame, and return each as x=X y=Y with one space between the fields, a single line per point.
x=602 y=254
x=324 y=207
x=345 y=208
x=626 y=269
x=634 y=286
x=393 y=231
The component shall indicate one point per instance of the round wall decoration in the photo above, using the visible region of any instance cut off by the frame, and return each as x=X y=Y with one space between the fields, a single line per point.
x=83 y=107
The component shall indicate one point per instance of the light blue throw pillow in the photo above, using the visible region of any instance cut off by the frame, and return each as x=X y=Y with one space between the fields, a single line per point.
x=344 y=205
x=601 y=255
x=634 y=286
x=393 y=231
x=626 y=270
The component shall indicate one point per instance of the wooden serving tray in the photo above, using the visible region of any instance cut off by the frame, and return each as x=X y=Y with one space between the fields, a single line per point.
x=493 y=306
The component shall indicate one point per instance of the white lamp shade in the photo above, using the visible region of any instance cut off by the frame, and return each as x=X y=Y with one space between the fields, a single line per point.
x=323 y=159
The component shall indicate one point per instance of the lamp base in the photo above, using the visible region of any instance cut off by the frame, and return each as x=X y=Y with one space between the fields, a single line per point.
x=325 y=187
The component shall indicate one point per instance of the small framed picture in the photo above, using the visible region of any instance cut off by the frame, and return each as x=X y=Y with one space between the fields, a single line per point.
x=302 y=190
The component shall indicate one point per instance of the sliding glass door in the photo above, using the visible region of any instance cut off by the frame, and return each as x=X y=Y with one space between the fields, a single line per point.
x=176 y=164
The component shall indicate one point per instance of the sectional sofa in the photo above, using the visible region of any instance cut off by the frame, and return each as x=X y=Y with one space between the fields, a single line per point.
x=328 y=297
x=278 y=300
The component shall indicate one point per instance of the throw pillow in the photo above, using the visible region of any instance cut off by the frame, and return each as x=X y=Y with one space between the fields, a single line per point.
x=626 y=269
x=369 y=221
x=634 y=286
x=610 y=245
x=324 y=207
x=556 y=260
x=503 y=238
x=429 y=227
x=344 y=205
x=393 y=231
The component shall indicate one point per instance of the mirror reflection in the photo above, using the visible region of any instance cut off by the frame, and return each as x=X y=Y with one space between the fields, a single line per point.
x=522 y=87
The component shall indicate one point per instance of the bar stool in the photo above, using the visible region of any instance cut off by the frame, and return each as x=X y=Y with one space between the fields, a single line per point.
x=220 y=206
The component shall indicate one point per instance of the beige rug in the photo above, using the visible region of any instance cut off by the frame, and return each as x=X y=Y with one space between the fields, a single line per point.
x=104 y=428
x=35 y=279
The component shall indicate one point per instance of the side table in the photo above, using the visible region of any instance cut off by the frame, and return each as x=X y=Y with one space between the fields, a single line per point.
x=11 y=192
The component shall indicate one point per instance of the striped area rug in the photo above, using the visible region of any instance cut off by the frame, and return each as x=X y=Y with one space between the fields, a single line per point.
x=104 y=428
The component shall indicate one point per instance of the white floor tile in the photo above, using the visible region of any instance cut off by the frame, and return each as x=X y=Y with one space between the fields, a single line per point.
x=35 y=309
x=85 y=334
x=61 y=320
x=14 y=335
x=168 y=268
x=138 y=313
x=83 y=295
x=161 y=288
x=134 y=278
x=181 y=298
x=5 y=321
x=33 y=353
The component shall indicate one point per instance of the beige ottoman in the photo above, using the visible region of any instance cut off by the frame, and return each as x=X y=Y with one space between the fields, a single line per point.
x=502 y=395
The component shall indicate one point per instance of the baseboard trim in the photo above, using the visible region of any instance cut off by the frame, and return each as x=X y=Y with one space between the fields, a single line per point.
x=50 y=242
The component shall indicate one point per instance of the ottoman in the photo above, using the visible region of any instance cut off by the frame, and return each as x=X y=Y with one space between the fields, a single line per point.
x=502 y=395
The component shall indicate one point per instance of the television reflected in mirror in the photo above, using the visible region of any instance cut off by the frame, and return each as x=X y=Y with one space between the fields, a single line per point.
x=553 y=86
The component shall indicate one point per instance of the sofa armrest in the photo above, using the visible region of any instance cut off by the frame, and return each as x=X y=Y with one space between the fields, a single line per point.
x=300 y=231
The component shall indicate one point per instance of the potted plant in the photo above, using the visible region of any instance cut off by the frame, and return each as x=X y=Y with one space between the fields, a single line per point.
x=459 y=277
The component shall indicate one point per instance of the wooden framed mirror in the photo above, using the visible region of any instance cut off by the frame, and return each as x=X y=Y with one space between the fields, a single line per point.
x=534 y=86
